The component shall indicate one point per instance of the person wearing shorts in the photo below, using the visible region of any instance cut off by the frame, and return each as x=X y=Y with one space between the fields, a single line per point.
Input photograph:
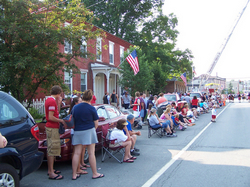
x=86 y=123
x=52 y=130
x=214 y=114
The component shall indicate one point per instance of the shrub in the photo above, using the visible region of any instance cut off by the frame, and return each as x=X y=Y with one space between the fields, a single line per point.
x=35 y=114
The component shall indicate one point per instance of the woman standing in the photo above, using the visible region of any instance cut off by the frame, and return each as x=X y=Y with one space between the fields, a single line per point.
x=81 y=166
x=195 y=102
x=86 y=122
x=161 y=99
x=150 y=101
x=137 y=105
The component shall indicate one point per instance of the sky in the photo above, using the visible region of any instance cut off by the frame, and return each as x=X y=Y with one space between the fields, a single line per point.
x=203 y=27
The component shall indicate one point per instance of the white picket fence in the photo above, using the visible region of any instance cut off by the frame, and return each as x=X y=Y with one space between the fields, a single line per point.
x=37 y=104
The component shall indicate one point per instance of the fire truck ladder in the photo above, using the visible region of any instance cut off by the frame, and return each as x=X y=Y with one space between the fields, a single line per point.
x=211 y=68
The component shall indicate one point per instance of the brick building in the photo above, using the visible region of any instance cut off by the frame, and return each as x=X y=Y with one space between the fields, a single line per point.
x=101 y=75
x=173 y=85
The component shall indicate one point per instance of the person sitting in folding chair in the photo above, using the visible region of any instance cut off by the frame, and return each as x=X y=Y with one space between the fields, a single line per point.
x=120 y=138
x=133 y=134
x=155 y=122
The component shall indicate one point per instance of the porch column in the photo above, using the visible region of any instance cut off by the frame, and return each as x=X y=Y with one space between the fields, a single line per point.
x=107 y=76
x=120 y=95
x=94 y=74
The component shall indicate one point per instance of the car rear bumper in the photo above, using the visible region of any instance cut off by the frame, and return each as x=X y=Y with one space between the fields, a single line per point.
x=31 y=163
x=66 y=153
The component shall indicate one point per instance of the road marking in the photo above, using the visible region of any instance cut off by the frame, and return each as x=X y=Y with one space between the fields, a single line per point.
x=176 y=157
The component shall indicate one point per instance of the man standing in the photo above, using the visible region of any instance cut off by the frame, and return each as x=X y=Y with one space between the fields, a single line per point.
x=114 y=99
x=188 y=100
x=145 y=102
x=126 y=100
x=133 y=134
x=52 y=107
x=142 y=112
x=105 y=99
x=93 y=101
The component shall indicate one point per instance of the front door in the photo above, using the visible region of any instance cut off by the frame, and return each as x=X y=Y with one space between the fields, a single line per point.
x=99 y=88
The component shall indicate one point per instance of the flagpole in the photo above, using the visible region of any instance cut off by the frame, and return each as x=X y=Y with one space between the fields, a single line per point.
x=192 y=79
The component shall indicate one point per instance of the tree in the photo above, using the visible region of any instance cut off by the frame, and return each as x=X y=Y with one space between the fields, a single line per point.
x=143 y=24
x=142 y=81
x=230 y=89
x=31 y=33
x=122 y=17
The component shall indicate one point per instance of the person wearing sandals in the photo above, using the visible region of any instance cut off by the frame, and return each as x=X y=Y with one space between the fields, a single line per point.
x=80 y=168
x=86 y=122
x=52 y=106
x=121 y=139
x=155 y=122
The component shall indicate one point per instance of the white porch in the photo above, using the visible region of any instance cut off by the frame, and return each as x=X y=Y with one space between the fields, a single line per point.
x=112 y=75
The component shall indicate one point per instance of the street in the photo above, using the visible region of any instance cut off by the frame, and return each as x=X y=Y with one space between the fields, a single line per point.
x=207 y=154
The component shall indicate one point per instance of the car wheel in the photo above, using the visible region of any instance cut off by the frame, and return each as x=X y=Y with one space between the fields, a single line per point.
x=86 y=156
x=8 y=176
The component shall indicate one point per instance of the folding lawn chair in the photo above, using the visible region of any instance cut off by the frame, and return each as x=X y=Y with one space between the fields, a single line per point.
x=107 y=148
x=151 y=131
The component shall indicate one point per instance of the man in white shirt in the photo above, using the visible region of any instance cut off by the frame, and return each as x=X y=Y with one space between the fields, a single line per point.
x=122 y=140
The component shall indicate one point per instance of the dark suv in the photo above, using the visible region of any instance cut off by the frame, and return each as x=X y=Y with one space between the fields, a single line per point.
x=21 y=156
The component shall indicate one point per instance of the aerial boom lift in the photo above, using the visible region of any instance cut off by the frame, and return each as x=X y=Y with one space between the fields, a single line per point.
x=217 y=57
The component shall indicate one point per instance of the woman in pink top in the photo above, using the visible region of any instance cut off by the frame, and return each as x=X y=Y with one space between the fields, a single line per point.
x=161 y=99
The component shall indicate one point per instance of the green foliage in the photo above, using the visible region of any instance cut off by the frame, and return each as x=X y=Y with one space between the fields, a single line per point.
x=32 y=32
x=122 y=18
x=142 y=81
x=230 y=89
x=143 y=24
x=35 y=114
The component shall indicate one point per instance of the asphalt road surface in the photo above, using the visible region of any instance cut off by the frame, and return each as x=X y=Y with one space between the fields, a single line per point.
x=205 y=155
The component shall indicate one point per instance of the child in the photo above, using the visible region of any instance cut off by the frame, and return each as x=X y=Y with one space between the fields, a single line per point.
x=149 y=108
x=214 y=114
x=178 y=122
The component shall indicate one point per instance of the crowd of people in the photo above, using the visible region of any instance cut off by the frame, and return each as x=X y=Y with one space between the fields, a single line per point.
x=83 y=136
x=86 y=121
x=240 y=97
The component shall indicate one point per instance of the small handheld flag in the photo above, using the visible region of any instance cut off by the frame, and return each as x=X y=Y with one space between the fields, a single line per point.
x=184 y=78
x=133 y=61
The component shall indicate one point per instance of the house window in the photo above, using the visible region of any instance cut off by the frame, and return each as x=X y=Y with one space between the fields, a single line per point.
x=67 y=46
x=83 y=48
x=111 y=52
x=99 y=49
x=68 y=80
x=67 y=43
x=83 y=81
x=121 y=54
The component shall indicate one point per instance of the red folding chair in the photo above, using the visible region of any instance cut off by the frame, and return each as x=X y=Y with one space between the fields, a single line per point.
x=107 y=149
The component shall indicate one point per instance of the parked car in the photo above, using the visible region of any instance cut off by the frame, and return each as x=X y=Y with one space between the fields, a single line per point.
x=21 y=156
x=137 y=123
x=171 y=97
x=108 y=114
x=197 y=94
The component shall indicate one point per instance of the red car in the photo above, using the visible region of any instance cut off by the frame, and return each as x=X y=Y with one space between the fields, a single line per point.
x=108 y=114
x=170 y=98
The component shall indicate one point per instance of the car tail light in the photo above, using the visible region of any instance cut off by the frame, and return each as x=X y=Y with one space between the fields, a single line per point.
x=64 y=141
x=35 y=132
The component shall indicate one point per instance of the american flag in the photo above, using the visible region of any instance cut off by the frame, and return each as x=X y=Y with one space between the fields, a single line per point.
x=194 y=70
x=184 y=78
x=133 y=61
